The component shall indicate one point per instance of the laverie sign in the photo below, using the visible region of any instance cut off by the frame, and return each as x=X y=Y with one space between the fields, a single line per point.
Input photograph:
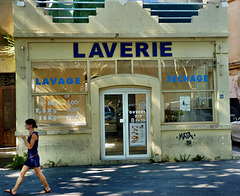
x=123 y=49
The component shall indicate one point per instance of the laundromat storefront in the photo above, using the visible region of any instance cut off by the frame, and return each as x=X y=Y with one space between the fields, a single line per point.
x=125 y=100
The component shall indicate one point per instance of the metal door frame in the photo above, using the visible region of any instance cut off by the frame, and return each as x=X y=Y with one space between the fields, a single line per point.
x=124 y=92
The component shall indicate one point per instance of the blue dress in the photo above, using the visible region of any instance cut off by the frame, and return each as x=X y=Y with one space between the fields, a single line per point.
x=33 y=159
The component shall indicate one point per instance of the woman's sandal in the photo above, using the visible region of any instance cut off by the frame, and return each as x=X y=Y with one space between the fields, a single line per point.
x=45 y=191
x=9 y=191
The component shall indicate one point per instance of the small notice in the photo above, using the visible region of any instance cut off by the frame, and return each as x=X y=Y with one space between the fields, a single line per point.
x=185 y=103
x=137 y=134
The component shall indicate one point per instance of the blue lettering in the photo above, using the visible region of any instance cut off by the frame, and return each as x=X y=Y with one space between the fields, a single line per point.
x=140 y=49
x=192 y=79
x=164 y=46
x=154 y=49
x=45 y=81
x=61 y=81
x=174 y=78
x=186 y=78
x=96 y=50
x=69 y=80
x=205 y=78
x=112 y=50
x=124 y=49
x=37 y=81
x=53 y=80
x=75 y=51
x=199 y=78
x=179 y=79
x=168 y=78
x=77 y=80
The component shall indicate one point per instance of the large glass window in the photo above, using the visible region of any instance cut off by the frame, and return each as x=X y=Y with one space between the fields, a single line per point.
x=147 y=67
x=188 y=107
x=51 y=77
x=101 y=68
x=187 y=74
x=188 y=90
x=124 y=67
x=59 y=92
x=60 y=110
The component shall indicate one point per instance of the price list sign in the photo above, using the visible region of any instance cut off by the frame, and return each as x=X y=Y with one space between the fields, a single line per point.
x=60 y=109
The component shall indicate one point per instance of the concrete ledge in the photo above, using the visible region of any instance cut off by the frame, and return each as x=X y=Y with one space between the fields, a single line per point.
x=58 y=132
x=174 y=127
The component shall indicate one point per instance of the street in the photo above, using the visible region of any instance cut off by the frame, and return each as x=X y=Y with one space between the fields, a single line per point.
x=182 y=178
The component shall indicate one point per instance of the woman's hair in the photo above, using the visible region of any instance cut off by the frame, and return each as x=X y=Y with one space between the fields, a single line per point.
x=32 y=122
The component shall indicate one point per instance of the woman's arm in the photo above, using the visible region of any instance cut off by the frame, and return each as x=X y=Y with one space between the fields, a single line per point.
x=32 y=142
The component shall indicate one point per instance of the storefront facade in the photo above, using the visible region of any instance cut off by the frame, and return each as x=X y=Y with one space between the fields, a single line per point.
x=125 y=93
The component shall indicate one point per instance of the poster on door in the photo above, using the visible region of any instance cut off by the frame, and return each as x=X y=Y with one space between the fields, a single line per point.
x=137 y=134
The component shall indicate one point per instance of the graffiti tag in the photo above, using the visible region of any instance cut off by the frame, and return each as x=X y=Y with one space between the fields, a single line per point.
x=186 y=135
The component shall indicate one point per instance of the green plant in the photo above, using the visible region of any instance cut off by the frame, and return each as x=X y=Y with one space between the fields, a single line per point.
x=166 y=158
x=182 y=158
x=198 y=158
x=53 y=164
x=152 y=160
x=18 y=161
x=180 y=112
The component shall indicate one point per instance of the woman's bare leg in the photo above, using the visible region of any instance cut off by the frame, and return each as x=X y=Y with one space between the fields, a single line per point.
x=20 y=178
x=42 y=178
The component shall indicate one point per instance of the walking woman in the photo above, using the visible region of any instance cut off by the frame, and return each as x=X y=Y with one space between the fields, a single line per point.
x=33 y=158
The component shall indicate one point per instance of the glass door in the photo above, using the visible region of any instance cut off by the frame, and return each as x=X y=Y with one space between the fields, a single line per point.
x=125 y=124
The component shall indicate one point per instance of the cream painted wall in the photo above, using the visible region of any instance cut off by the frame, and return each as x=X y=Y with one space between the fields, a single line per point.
x=37 y=38
x=234 y=28
x=209 y=143
x=27 y=52
x=7 y=65
x=234 y=82
x=117 y=18
x=65 y=149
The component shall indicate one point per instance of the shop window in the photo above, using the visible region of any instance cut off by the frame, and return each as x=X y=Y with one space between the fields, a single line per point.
x=146 y=67
x=59 y=91
x=188 y=107
x=58 y=110
x=187 y=74
x=50 y=77
x=124 y=67
x=101 y=68
x=188 y=90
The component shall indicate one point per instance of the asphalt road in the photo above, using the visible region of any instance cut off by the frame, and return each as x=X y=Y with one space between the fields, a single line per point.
x=207 y=178
x=182 y=178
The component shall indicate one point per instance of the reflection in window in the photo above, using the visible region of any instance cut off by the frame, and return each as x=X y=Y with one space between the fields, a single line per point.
x=124 y=67
x=187 y=74
x=101 y=68
x=188 y=107
x=146 y=67
x=59 y=110
x=50 y=77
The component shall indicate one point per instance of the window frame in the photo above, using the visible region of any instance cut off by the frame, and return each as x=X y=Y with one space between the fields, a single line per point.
x=34 y=94
x=213 y=91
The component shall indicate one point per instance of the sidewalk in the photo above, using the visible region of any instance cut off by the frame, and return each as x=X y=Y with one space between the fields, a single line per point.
x=6 y=155
x=174 y=179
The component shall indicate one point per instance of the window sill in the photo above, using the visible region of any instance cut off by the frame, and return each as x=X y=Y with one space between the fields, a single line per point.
x=178 y=127
x=59 y=132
